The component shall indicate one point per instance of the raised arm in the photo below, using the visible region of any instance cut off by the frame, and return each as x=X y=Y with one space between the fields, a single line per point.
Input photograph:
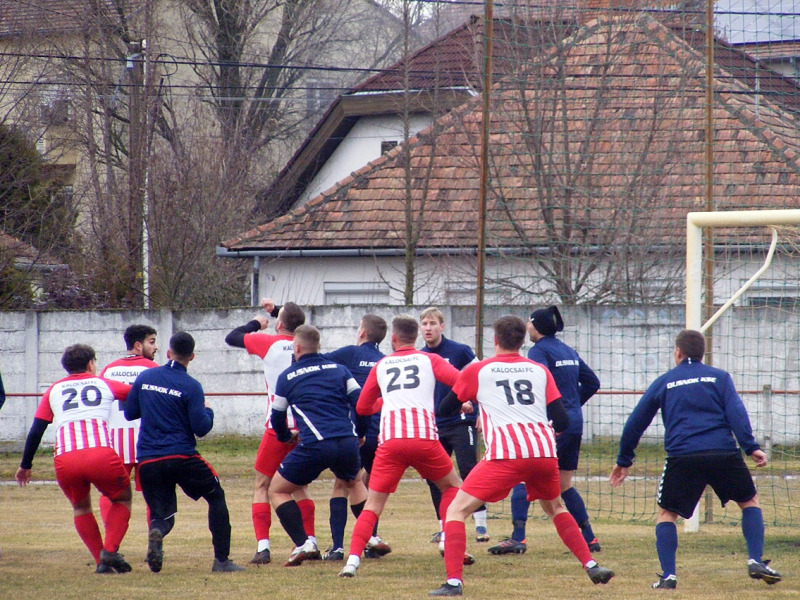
x=236 y=337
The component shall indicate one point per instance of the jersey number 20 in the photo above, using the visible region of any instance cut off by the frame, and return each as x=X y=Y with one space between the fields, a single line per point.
x=70 y=395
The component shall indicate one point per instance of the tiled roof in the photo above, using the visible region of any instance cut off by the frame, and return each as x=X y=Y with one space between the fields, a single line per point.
x=26 y=255
x=455 y=59
x=452 y=61
x=632 y=102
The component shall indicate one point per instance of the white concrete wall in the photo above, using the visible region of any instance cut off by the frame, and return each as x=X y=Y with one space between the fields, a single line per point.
x=361 y=145
x=627 y=346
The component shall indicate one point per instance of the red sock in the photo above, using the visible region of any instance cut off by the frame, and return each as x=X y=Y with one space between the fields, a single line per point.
x=116 y=525
x=447 y=497
x=86 y=526
x=105 y=506
x=362 y=531
x=455 y=545
x=570 y=534
x=262 y=520
x=307 y=510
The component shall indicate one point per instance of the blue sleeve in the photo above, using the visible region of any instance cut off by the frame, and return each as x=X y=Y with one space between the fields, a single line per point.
x=537 y=355
x=736 y=414
x=469 y=356
x=339 y=356
x=588 y=383
x=201 y=418
x=2 y=392
x=279 y=423
x=131 y=406
x=638 y=422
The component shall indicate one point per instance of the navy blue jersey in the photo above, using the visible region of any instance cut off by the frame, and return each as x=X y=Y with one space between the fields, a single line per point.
x=700 y=409
x=322 y=395
x=171 y=405
x=458 y=355
x=574 y=379
x=359 y=360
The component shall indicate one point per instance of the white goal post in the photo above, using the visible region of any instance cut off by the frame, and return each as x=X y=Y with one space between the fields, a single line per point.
x=695 y=221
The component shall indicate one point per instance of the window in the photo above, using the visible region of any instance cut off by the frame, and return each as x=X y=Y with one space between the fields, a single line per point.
x=55 y=107
x=356 y=292
x=387 y=145
x=770 y=293
x=319 y=94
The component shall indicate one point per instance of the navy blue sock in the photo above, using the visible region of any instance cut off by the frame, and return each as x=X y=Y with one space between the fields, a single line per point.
x=519 y=511
x=667 y=546
x=753 y=530
x=574 y=504
x=338 y=521
x=292 y=520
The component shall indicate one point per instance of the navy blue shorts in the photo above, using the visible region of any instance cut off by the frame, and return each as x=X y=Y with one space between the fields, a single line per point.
x=568 y=447
x=367 y=452
x=685 y=478
x=305 y=463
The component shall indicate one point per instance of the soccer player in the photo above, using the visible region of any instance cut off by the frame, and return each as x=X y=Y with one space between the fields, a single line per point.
x=359 y=360
x=79 y=405
x=275 y=352
x=140 y=341
x=518 y=400
x=457 y=433
x=172 y=408
x=323 y=396
x=405 y=381
x=703 y=419
x=577 y=383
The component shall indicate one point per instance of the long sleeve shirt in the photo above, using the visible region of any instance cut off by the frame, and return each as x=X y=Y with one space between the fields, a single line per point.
x=322 y=395
x=574 y=379
x=700 y=409
x=171 y=405
x=359 y=360
x=459 y=355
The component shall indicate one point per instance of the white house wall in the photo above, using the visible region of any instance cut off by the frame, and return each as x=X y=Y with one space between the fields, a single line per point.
x=361 y=145
x=451 y=279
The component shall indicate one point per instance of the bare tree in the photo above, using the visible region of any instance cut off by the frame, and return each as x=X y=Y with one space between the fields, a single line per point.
x=593 y=159
x=185 y=120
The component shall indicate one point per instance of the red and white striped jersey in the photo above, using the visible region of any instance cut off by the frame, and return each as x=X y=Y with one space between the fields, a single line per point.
x=79 y=406
x=124 y=433
x=275 y=352
x=513 y=393
x=406 y=381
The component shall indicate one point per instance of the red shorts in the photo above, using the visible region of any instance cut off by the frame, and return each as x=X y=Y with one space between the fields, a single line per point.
x=129 y=467
x=102 y=467
x=492 y=480
x=270 y=453
x=393 y=457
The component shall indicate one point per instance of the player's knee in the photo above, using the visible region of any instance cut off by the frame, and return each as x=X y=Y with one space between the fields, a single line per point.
x=215 y=496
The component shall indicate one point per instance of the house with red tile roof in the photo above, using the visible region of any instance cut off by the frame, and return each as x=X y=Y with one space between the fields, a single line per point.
x=597 y=152
x=371 y=118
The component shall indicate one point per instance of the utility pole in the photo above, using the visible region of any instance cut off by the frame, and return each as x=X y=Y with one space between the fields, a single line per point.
x=137 y=160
